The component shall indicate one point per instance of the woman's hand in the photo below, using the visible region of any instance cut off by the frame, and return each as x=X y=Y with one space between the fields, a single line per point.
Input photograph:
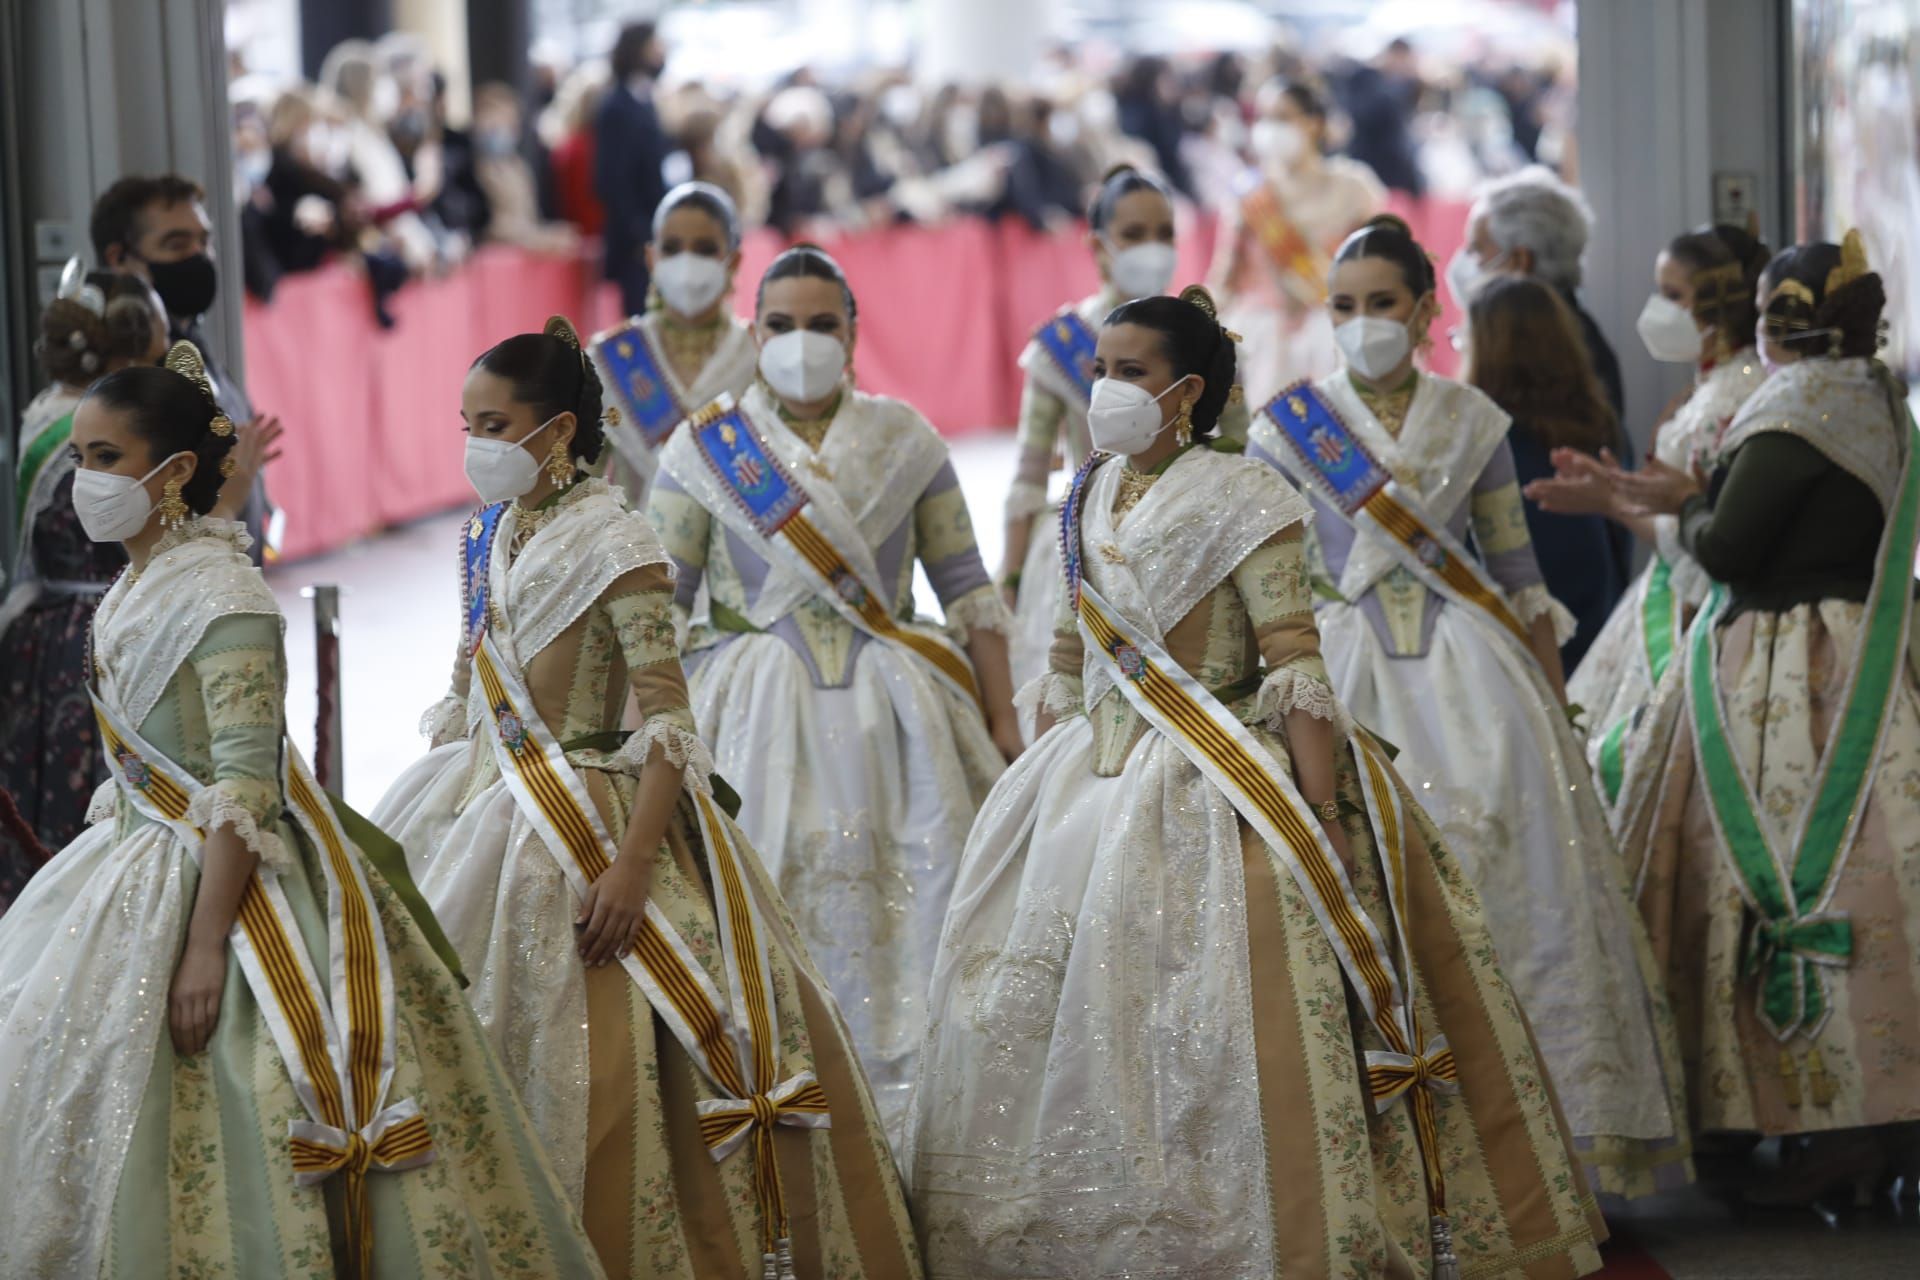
x=1581 y=485
x=611 y=915
x=1658 y=489
x=193 y=1002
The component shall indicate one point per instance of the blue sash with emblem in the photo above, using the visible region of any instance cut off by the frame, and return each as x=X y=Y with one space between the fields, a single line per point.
x=632 y=368
x=1323 y=442
x=747 y=468
x=476 y=550
x=1069 y=343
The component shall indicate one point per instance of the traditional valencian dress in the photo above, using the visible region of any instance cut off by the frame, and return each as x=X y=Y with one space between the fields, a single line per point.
x=50 y=760
x=1058 y=364
x=645 y=365
x=645 y=1078
x=1616 y=679
x=1773 y=813
x=1169 y=1035
x=857 y=727
x=1286 y=228
x=347 y=1110
x=1427 y=644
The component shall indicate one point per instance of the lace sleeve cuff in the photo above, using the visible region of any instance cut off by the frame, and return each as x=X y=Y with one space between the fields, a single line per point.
x=218 y=806
x=1531 y=602
x=1026 y=500
x=105 y=805
x=1058 y=695
x=981 y=609
x=445 y=721
x=682 y=747
x=1289 y=689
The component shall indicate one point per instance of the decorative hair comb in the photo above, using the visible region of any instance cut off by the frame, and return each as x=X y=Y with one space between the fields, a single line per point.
x=1198 y=296
x=184 y=359
x=75 y=288
x=1853 y=262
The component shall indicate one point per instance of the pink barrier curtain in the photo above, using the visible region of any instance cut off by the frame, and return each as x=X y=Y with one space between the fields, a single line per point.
x=373 y=416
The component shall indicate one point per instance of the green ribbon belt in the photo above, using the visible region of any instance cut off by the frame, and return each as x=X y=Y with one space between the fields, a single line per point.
x=1657 y=619
x=1794 y=939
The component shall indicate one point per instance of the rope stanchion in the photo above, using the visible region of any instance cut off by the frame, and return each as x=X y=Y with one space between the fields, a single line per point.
x=328 y=764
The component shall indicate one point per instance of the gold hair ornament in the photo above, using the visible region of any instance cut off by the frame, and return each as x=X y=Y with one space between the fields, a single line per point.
x=184 y=359
x=1853 y=262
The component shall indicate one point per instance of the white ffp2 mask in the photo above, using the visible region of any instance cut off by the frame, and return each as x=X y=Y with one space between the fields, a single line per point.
x=1122 y=417
x=690 y=283
x=502 y=469
x=112 y=508
x=801 y=365
x=1373 y=345
x=1142 y=270
x=1668 y=330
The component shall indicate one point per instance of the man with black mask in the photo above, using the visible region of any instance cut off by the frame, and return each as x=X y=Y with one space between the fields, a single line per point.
x=158 y=228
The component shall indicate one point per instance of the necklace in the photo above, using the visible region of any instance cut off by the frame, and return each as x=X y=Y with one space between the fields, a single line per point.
x=1133 y=487
x=689 y=346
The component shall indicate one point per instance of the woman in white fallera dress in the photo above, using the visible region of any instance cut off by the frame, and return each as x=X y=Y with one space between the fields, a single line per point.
x=1454 y=658
x=548 y=840
x=1297 y=204
x=294 y=1126
x=861 y=739
x=1145 y=1054
x=1701 y=313
x=661 y=366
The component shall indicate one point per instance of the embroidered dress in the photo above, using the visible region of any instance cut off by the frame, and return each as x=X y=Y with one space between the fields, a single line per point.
x=1142 y=1057
x=1486 y=747
x=656 y=370
x=863 y=766
x=1053 y=430
x=1616 y=679
x=126 y=1159
x=580 y=596
x=49 y=759
x=1789 y=931
x=1278 y=310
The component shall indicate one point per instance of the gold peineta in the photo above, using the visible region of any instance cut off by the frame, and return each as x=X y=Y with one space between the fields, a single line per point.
x=562 y=328
x=1853 y=262
x=1198 y=295
x=184 y=359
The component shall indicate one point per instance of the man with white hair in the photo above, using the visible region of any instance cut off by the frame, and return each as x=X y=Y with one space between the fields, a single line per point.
x=1532 y=224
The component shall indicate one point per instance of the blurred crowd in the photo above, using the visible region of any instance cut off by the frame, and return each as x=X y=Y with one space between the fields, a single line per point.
x=370 y=162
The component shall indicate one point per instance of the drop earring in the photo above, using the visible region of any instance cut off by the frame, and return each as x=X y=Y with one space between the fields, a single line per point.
x=173 y=508
x=1183 y=423
x=559 y=465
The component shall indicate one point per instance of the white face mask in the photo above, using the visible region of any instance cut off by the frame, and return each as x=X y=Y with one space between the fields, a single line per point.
x=1465 y=276
x=1669 y=331
x=1373 y=346
x=690 y=282
x=803 y=366
x=112 y=508
x=1122 y=417
x=502 y=469
x=1278 y=142
x=1142 y=270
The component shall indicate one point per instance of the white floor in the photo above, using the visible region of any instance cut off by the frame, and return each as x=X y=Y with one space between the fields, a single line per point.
x=400 y=623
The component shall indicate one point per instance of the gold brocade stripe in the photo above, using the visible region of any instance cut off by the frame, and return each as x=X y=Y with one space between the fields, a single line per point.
x=746 y=947
x=366 y=1032
x=1410 y=533
x=295 y=998
x=692 y=1003
x=1233 y=760
x=827 y=562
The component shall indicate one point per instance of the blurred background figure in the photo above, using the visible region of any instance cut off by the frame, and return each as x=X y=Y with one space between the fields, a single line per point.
x=629 y=152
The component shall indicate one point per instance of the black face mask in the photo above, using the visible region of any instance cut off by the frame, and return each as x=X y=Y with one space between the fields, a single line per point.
x=187 y=287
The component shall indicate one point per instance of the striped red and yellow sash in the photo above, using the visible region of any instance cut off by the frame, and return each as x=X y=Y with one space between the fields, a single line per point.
x=337 y=1038
x=1414 y=1064
x=733 y=1037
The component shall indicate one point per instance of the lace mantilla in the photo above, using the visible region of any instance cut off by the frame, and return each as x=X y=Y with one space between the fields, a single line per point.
x=1290 y=689
x=979 y=610
x=683 y=748
x=1530 y=602
x=215 y=807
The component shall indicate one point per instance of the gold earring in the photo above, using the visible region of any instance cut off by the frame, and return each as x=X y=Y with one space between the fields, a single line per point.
x=173 y=508
x=559 y=465
x=1183 y=423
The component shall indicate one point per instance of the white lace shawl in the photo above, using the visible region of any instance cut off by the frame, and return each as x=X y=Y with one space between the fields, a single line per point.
x=1843 y=408
x=1196 y=525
